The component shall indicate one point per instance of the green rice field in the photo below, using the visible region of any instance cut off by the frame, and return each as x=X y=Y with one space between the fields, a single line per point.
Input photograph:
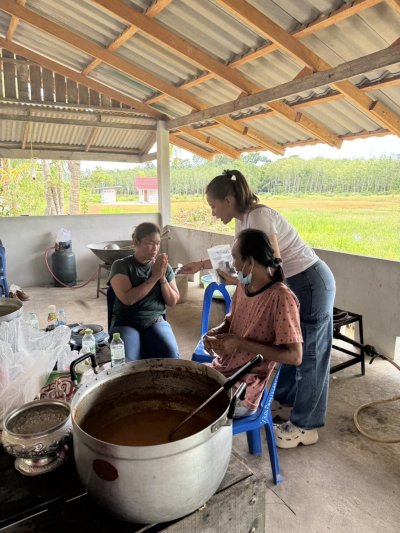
x=364 y=225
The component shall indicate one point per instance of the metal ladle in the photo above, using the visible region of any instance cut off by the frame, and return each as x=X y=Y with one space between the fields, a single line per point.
x=229 y=383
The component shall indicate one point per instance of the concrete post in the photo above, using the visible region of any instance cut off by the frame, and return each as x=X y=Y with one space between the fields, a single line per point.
x=163 y=175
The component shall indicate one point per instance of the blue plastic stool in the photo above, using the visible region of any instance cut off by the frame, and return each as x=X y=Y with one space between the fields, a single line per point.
x=3 y=277
x=200 y=355
x=252 y=425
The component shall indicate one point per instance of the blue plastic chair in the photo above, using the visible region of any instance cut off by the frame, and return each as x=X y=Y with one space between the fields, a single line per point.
x=252 y=425
x=200 y=355
x=3 y=276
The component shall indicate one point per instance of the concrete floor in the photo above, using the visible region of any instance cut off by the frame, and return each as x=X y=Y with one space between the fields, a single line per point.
x=345 y=483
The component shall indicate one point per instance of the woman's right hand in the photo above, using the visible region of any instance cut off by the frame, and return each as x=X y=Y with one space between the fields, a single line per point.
x=159 y=266
x=190 y=268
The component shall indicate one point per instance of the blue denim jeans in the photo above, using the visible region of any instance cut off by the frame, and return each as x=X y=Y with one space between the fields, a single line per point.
x=306 y=387
x=158 y=340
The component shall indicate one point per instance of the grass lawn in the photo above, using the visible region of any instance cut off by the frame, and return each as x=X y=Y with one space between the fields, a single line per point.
x=365 y=225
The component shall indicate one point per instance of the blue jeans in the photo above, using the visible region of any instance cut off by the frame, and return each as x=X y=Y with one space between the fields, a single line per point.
x=158 y=340
x=306 y=387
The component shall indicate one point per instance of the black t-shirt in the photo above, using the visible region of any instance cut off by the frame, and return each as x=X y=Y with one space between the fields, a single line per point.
x=151 y=306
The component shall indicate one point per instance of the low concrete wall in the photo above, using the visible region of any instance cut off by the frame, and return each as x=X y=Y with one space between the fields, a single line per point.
x=365 y=285
x=27 y=238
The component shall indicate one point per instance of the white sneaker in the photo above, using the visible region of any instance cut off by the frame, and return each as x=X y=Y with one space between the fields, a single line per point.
x=280 y=411
x=289 y=436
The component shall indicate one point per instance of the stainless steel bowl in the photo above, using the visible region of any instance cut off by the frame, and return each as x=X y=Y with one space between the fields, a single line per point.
x=10 y=308
x=103 y=252
x=37 y=434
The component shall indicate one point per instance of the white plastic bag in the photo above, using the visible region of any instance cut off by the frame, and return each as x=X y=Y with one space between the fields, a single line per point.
x=63 y=235
x=27 y=357
x=221 y=259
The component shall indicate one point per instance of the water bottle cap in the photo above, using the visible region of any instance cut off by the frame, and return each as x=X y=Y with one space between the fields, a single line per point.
x=61 y=310
x=52 y=308
x=116 y=336
x=88 y=331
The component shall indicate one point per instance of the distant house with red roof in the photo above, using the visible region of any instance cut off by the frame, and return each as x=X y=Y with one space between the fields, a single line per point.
x=147 y=189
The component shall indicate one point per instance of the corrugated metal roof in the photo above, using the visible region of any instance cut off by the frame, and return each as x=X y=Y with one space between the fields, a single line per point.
x=225 y=37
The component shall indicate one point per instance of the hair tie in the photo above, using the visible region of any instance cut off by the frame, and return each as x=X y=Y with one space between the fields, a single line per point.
x=233 y=178
x=276 y=261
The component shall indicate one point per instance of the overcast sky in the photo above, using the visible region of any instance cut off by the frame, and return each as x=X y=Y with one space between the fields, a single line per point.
x=359 y=148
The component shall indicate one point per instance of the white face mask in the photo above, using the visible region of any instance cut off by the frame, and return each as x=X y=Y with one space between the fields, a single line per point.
x=245 y=280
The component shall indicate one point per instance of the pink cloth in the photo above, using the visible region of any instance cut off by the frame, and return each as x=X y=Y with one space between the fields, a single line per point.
x=272 y=318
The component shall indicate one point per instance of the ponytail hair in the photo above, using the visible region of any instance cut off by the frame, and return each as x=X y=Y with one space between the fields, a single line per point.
x=232 y=183
x=255 y=243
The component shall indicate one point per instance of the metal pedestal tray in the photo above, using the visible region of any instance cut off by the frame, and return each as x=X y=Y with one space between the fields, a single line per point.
x=56 y=501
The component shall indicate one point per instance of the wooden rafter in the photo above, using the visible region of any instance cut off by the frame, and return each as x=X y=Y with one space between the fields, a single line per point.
x=194 y=54
x=266 y=27
x=153 y=10
x=333 y=96
x=182 y=143
x=342 y=13
x=93 y=134
x=75 y=76
x=374 y=61
x=129 y=68
x=395 y=4
x=26 y=134
x=14 y=22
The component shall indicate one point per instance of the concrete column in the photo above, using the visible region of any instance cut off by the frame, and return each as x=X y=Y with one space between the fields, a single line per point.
x=164 y=196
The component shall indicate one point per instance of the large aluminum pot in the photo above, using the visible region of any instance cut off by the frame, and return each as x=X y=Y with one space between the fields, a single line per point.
x=148 y=484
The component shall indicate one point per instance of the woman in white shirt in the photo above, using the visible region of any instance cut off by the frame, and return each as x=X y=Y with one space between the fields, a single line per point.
x=302 y=392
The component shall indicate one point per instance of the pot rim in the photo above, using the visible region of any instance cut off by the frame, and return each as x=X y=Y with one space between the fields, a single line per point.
x=25 y=407
x=147 y=452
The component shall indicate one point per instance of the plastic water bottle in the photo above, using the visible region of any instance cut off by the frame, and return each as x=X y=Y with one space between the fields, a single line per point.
x=117 y=350
x=61 y=318
x=33 y=320
x=51 y=318
x=88 y=342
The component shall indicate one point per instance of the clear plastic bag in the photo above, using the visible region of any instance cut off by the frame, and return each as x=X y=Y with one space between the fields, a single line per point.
x=221 y=259
x=27 y=357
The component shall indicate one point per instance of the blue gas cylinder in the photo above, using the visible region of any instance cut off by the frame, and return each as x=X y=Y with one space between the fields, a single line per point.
x=64 y=264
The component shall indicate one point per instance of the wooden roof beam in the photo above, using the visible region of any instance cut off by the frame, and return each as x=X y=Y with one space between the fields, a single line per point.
x=26 y=134
x=262 y=24
x=14 y=22
x=319 y=99
x=182 y=143
x=190 y=52
x=176 y=43
x=342 y=13
x=218 y=145
x=152 y=11
x=395 y=4
x=73 y=75
x=126 y=67
x=377 y=60
x=93 y=134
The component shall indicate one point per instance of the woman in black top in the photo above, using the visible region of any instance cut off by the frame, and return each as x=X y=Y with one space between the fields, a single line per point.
x=144 y=283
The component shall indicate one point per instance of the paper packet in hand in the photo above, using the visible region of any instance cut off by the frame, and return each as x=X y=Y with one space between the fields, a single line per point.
x=221 y=259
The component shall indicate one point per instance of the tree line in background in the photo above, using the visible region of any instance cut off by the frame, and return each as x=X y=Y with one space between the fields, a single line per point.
x=42 y=187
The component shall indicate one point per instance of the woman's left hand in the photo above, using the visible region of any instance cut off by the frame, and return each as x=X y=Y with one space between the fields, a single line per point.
x=228 y=278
